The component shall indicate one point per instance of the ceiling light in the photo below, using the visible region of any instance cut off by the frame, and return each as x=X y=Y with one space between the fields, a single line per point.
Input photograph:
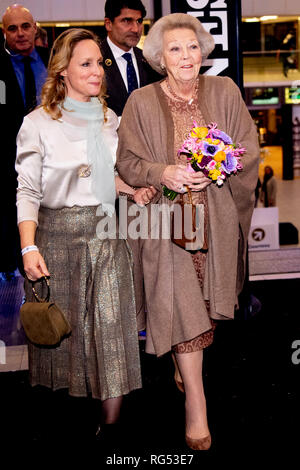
x=266 y=18
x=252 y=20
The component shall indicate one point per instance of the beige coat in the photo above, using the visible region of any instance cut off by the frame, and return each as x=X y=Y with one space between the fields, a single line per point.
x=175 y=302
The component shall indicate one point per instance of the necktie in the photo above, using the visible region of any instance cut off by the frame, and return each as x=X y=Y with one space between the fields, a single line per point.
x=131 y=75
x=30 y=89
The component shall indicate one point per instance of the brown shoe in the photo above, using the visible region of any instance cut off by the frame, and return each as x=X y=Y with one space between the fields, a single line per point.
x=198 y=444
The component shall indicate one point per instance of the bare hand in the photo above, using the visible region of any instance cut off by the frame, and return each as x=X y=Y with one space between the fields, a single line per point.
x=200 y=181
x=176 y=177
x=143 y=196
x=34 y=266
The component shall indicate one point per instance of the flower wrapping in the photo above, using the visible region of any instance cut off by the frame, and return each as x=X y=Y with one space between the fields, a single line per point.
x=211 y=151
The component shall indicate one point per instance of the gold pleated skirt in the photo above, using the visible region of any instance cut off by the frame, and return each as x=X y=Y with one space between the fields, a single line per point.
x=91 y=280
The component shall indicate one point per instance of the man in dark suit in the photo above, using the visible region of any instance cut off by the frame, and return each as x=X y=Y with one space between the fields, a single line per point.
x=124 y=25
x=23 y=70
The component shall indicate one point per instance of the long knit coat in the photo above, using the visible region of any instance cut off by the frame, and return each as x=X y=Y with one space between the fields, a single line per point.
x=176 y=309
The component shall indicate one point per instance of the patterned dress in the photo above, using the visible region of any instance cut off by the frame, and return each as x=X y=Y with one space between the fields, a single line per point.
x=183 y=115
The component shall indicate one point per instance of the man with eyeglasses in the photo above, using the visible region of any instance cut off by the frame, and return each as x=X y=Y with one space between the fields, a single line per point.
x=124 y=64
x=23 y=70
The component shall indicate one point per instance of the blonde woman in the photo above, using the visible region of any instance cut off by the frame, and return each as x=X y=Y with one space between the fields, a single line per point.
x=65 y=164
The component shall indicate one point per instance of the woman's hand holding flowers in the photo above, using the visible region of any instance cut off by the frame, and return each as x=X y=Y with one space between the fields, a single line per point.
x=200 y=182
x=177 y=177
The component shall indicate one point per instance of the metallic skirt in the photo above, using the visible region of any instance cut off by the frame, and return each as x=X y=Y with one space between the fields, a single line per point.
x=91 y=280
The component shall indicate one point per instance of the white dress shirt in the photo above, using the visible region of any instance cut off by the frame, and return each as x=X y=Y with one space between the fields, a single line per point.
x=122 y=63
x=50 y=154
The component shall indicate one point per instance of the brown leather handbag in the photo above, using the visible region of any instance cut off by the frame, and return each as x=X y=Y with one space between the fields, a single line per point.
x=187 y=224
x=44 y=322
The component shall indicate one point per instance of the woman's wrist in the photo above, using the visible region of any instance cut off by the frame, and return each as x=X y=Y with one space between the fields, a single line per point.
x=29 y=248
x=129 y=196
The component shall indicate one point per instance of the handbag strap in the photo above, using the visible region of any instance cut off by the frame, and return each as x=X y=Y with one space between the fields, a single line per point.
x=46 y=299
x=189 y=192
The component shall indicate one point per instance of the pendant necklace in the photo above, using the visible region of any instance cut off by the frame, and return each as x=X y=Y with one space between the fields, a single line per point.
x=179 y=98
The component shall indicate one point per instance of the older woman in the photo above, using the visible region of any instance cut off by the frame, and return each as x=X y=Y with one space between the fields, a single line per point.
x=186 y=292
x=67 y=185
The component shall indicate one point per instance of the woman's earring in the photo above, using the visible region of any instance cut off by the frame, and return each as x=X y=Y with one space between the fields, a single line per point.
x=162 y=66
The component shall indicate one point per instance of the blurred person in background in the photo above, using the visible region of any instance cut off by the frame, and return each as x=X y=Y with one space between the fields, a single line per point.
x=289 y=58
x=269 y=188
x=41 y=37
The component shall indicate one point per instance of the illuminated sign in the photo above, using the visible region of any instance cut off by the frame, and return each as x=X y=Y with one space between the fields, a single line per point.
x=221 y=19
x=264 y=96
x=292 y=95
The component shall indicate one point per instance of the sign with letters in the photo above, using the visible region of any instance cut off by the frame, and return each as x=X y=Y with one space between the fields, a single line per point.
x=264 y=230
x=221 y=19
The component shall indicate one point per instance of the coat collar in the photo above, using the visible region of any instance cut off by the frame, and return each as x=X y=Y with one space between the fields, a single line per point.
x=168 y=116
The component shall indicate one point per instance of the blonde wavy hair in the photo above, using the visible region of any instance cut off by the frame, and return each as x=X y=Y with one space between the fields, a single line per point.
x=54 y=90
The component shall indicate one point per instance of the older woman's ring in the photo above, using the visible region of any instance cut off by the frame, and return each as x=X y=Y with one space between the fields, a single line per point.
x=182 y=189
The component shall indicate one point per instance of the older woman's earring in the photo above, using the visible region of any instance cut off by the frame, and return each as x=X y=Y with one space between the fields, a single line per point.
x=162 y=66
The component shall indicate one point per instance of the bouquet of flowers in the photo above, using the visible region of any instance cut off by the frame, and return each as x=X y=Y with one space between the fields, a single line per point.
x=211 y=151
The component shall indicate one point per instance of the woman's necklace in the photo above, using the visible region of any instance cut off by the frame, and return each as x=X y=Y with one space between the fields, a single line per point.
x=194 y=95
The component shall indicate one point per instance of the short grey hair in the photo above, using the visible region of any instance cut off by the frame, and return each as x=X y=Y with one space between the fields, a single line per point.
x=153 y=45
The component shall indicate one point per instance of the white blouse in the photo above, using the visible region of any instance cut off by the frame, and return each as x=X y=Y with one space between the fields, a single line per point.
x=50 y=156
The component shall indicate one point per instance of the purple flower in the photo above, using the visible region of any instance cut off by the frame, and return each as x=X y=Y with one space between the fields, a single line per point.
x=230 y=164
x=205 y=161
x=205 y=172
x=217 y=134
x=210 y=149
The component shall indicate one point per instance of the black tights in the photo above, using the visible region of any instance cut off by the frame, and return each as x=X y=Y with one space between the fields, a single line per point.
x=111 y=409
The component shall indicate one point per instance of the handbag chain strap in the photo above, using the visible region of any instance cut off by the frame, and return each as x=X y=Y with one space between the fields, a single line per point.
x=39 y=299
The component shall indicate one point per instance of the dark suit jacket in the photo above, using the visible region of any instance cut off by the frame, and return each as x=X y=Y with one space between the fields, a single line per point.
x=11 y=115
x=116 y=89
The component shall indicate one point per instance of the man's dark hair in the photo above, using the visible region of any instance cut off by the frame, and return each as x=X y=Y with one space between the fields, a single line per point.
x=113 y=7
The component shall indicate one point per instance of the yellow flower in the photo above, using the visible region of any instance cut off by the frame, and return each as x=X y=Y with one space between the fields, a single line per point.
x=199 y=132
x=198 y=157
x=213 y=174
x=220 y=156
